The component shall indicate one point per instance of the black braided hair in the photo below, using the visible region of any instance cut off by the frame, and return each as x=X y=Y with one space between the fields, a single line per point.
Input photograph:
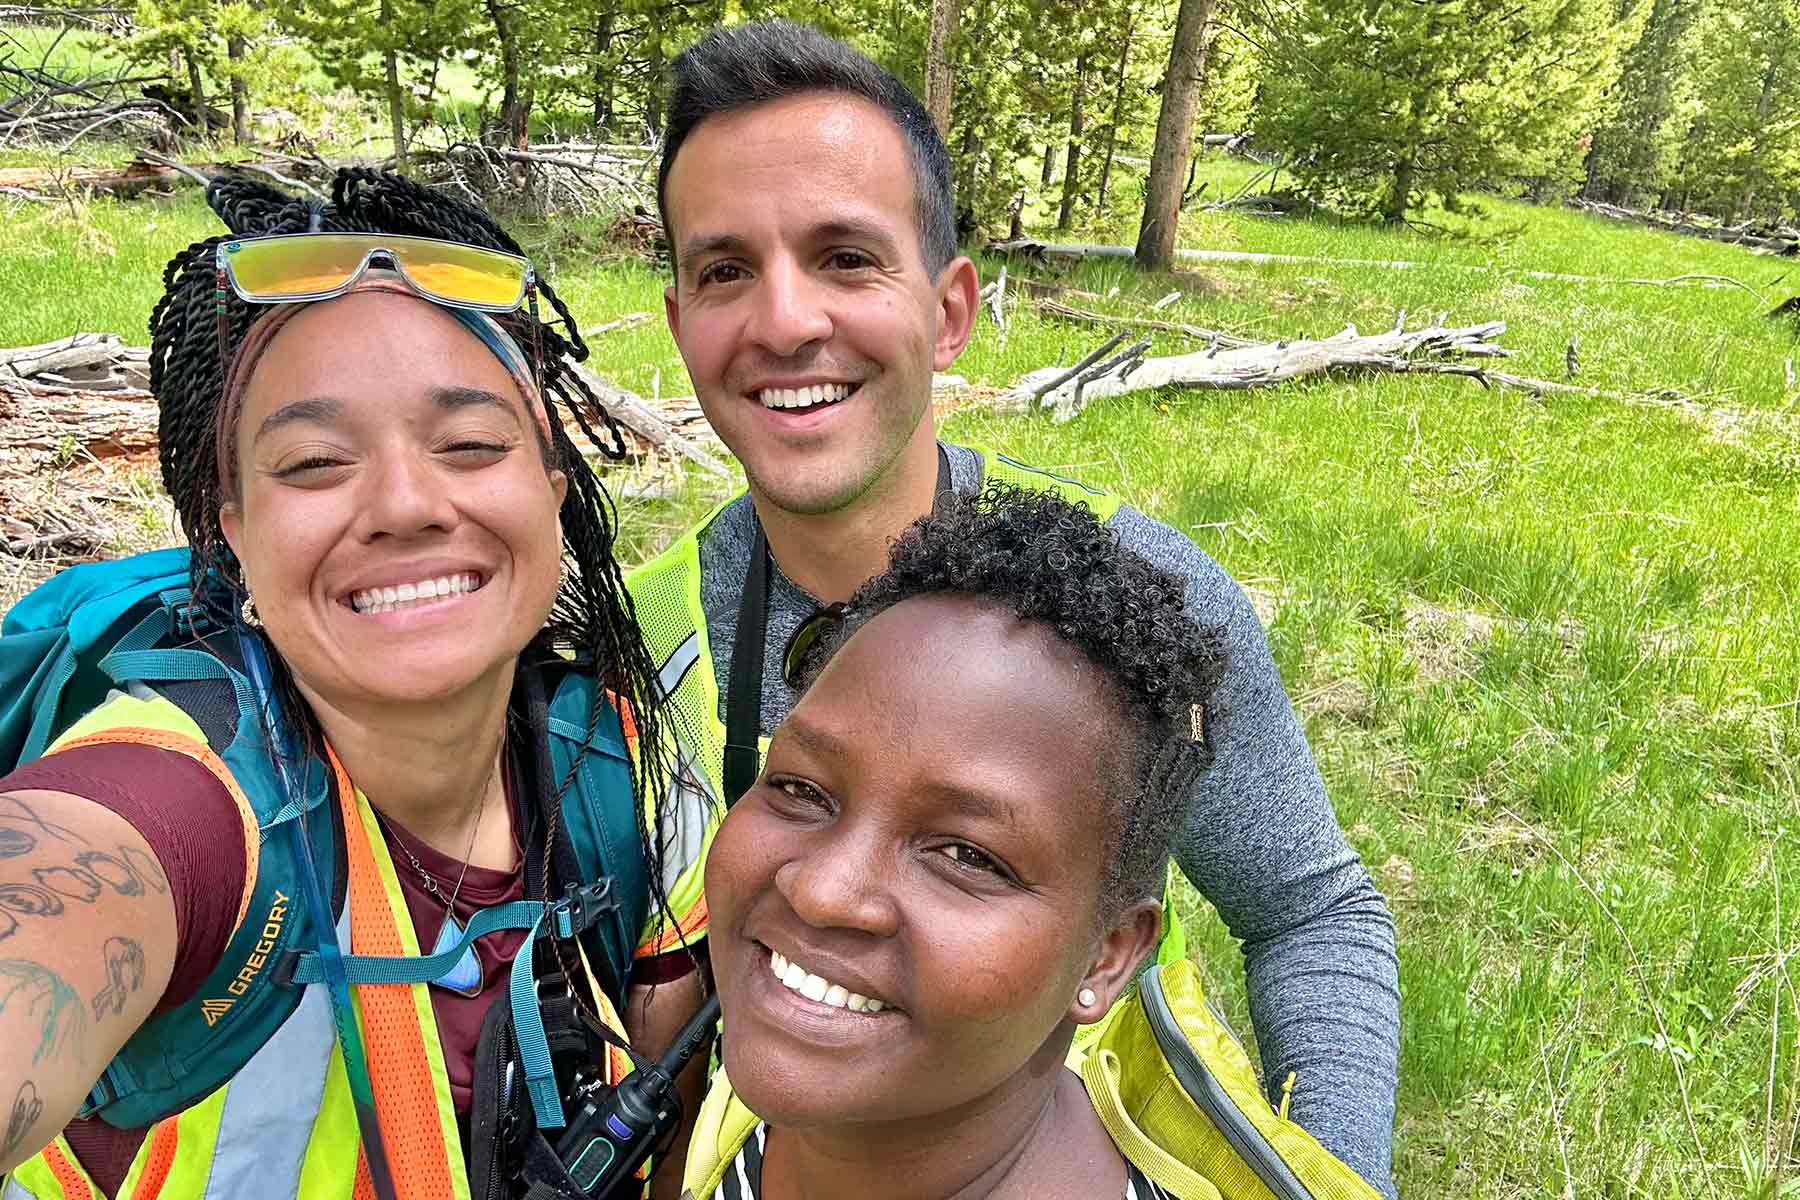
x=1046 y=560
x=592 y=616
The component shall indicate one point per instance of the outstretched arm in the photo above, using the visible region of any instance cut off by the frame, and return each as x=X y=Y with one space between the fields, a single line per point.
x=87 y=945
x=1263 y=845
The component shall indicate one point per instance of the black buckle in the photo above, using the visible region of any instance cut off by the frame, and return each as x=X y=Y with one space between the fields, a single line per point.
x=581 y=908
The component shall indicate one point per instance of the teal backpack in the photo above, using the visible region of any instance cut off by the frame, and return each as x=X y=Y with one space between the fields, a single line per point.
x=98 y=627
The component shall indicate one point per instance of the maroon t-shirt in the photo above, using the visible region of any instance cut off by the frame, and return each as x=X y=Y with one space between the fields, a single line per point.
x=200 y=846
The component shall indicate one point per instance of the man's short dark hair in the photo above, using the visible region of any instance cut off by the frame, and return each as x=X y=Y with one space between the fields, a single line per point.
x=746 y=65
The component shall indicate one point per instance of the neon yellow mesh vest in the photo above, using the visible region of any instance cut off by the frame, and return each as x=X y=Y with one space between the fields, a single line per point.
x=1174 y=1089
x=666 y=594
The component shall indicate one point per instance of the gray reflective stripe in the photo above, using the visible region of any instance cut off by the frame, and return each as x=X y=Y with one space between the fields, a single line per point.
x=16 y=1191
x=677 y=665
x=272 y=1104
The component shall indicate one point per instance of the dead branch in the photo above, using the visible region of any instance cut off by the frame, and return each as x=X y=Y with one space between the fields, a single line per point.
x=630 y=410
x=1261 y=365
x=1225 y=341
x=624 y=322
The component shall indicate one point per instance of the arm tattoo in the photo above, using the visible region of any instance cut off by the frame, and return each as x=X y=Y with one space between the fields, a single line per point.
x=20 y=816
x=71 y=883
x=30 y=900
x=41 y=993
x=27 y=1107
x=115 y=873
x=124 y=975
x=14 y=842
x=147 y=868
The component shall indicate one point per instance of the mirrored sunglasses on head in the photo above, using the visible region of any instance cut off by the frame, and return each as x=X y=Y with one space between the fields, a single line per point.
x=301 y=267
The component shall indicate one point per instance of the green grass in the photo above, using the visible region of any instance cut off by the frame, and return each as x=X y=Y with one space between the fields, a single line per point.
x=1548 y=651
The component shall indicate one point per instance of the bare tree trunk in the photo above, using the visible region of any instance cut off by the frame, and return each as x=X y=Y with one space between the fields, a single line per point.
x=653 y=111
x=390 y=61
x=1118 y=113
x=1072 y=173
x=1049 y=175
x=1399 y=199
x=198 y=90
x=515 y=104
x=1764 y=104
x=602 y=76
x=939 y=77
x=1174 y=137
x=240 y=90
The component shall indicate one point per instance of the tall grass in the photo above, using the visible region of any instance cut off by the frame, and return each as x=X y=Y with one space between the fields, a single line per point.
x=1548 y=651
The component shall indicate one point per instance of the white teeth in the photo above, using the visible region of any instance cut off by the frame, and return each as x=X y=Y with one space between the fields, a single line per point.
x=797 y=978
x=387 y=599
x=806 y=397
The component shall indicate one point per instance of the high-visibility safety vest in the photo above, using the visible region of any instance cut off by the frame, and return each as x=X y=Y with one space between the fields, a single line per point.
x=283 y=1124
x=1171 y=1084
x=665 y=595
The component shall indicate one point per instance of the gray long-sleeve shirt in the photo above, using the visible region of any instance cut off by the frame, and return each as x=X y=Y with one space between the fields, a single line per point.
x=1261 y=842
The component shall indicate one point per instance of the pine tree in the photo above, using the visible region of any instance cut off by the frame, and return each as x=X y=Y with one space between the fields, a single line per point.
x=1381 y=104
x=1741 y=156
x=1634 y=152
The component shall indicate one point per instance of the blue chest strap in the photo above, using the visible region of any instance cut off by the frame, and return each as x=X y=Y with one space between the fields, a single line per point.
x=578 y=911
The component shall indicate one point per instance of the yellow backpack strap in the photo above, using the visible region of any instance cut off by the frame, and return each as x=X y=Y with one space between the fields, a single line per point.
x=995 y=465
x=720 y=1131
x=1180 y=1098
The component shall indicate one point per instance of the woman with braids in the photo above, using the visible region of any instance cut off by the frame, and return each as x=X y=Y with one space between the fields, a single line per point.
x=339 y=884
x=953 y=858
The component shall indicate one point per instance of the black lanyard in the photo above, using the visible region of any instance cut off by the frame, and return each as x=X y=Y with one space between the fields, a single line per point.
x=743 y=692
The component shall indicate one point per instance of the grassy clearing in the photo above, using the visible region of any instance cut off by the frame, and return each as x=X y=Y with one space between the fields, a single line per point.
x=1548 y=651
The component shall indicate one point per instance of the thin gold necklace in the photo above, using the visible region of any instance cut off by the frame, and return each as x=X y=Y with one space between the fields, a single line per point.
x=464 y=978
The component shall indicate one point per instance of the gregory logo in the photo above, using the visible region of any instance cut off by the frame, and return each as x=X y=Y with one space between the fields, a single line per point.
x=213 y=1009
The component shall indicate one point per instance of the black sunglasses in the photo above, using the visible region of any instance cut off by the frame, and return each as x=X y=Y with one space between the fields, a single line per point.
x=822 y=622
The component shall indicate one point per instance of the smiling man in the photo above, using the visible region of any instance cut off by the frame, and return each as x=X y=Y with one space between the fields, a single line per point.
x=806 y=196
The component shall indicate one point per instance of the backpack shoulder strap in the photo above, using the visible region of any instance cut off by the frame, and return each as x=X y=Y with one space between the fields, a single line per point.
x=721 y=1128
x=1180 y=1098
x=600 y=807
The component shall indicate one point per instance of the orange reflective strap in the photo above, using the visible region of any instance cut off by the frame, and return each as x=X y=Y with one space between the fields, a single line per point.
x=685 y=931
x=400 y=1065
x=71 y=1178
x=164 y=1137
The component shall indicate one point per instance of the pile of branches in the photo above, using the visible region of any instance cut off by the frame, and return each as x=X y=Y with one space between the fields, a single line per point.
x=1768 y=237
x=83 y=399
x=589 y=178
x=39 y=106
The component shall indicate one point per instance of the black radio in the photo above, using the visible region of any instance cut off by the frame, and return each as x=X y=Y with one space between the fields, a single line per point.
x=615 y=1128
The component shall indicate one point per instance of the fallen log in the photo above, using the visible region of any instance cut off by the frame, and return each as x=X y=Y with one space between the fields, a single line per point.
x=630 y=410
x=1785 y=242
x=1260 y=365
x=44 y=428
x=83 y=362
x=123 y=181
x=1040 y=251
